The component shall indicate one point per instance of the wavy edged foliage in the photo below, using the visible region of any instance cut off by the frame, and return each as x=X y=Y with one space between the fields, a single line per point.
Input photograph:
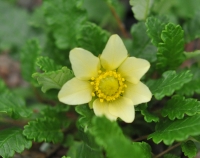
x=155 y=26
x=107 y=133
x=178 y=106
x=88 y=148
x=93 y=38
x=169 y=82
x=14 y=106
x=53 y=79
x=11 y=141
x=141 y=45
x=148 y=117
x=141 y=8
x=46 y=64
x=192 y=87
x=189 y=149
x=44 y=129
x=28 y=56
x=170 y=51
x=65 y=18
x=177 y=130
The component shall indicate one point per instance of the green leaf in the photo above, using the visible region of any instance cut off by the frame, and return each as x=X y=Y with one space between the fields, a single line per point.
x=3 y=87
x=54 y=79
x=191 y=87
x=148 y=117
x=58 y=112
x=44 y=129
x=11 y=141
x=88 y=148
x=155 y=26
x=54 y=110
x=170 y=51
x=65 y=18
x=109 y=135
x=14 y=32
x=194 y=54
x=14 y=106
x=191 y=27
x=28 y=55
x=82 y=150
x=141 y=45
x=86 y=116
x=46 y=64
x=189 y=149
x=178 y=106
x=169 y=82
x=93 y=38
x=177 y=130
x=141 y=8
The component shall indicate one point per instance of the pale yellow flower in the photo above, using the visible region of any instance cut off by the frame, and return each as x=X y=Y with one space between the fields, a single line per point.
x=111 y=81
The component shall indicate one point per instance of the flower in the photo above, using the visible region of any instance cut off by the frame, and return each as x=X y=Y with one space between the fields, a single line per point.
x=111 y=81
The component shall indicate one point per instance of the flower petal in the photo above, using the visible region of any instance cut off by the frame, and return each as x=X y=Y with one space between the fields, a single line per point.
x=123 y=108
x=138 y=93
x=132 y=69
x=75 y=92
x=101 y=108
x=114 y=53
x=84 y=64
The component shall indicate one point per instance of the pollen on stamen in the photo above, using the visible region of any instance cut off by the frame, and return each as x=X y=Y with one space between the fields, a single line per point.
x=92 y=78
x=105 y=80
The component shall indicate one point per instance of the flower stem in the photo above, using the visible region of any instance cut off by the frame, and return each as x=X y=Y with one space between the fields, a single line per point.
x=140 y=138
x=119 y=22
x=166 y=151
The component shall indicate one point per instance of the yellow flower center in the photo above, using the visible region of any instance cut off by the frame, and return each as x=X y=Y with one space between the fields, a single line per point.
x=108 y=85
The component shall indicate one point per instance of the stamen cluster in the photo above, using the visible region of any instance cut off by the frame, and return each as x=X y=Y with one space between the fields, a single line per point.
x=108 y=85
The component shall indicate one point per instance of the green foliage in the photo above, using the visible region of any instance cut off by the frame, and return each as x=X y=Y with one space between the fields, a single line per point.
x=64 y=18
x=53 y=79
x=191 y=28
x=141 y=45
x=82 y=150
x=169 y=82
x=62 y=25
x=178 y=106
x=13 y=31
x=28 y=55
x=3 y=87
x=46 y=64
x=14 y=106
x=53 y=111
x=44 y=129
x=141 y=8
x=86 y=116
x=88 y=148
x=191 y=87
x=155 y=26
x=148 y=117
x=11 y=141
x=177 y=130
x=189 y=149
x=107 y=133
x=170 y=50
x=93 y=38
